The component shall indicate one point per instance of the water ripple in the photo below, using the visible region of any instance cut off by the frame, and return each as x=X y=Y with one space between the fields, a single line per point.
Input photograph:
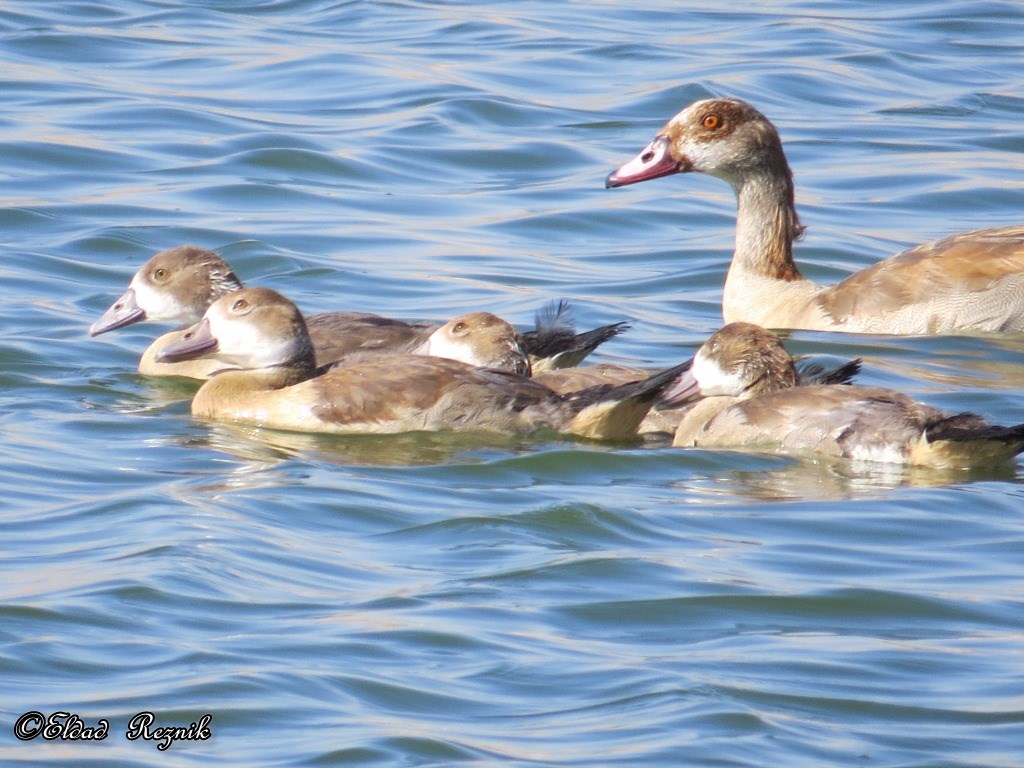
x=436 y=600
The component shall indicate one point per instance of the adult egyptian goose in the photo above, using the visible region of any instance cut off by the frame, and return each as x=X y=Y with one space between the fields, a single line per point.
x=487 y=341
x=179 y=284
x=743 y=382
x=967 y=282
x=273 y=381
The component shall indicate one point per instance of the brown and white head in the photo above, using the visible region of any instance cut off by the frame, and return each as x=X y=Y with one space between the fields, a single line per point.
x=740 y=360
x=176 y=285
x=254 y=328
x=480 y=339
x=726 y=138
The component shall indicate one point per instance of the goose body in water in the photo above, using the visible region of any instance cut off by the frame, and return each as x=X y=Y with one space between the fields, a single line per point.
x=272 y=380
x=742 y=392
x=968 y=282
x=485 y=340
x=179 y=284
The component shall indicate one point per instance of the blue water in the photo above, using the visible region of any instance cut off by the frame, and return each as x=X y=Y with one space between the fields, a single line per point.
x=471 y=601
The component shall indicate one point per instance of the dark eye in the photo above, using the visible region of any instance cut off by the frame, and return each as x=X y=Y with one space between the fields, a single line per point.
x=710 y=122
x=160 y=274
x=459 y=327
x=240 y=305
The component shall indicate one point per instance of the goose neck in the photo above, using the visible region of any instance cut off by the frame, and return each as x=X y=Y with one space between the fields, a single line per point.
x=766 y=226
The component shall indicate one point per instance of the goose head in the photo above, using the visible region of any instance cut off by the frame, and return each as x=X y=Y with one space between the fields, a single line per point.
x=480 y=339
x=176 y=285
x=726 y=138
x=254 y=328
x=740 y=360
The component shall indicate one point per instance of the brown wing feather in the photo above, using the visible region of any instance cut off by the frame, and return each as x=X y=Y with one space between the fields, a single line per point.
x=427 y=393
x=970 y=261
x=833 y=420
x=338 y=334
x=567 y=380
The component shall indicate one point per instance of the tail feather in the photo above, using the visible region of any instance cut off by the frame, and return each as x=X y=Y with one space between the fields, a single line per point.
x=580 y=346
x=967 y=440
x=819 y=373
x=968 y=427
x=554 y=342
x=608 y=412
x=555 y=315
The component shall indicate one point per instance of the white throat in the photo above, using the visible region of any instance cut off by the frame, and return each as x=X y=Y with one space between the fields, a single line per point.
x=712 y=379
x=242 y=344
x=440 y=344
x=159 y=305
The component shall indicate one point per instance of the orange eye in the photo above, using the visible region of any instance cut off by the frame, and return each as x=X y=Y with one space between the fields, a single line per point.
x=710 y=122
x=240 y=306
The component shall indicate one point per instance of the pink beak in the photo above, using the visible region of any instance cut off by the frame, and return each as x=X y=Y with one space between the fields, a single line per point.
x=685 y=389
x=195 y=342
x=122 y=312
x=654 y=161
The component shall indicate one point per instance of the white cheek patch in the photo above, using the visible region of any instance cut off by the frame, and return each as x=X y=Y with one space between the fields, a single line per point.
x=158 y=305
x=713 y=159
x=440 y=344
x=263 y=354
x=241 y=343
x=712 y=379
x=699 y=154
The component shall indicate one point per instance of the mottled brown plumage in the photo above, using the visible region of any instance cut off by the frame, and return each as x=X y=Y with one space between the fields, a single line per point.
x=275 y=382
x=487 y=341
x=967 y=269
x=179 y=284
x=740 y=384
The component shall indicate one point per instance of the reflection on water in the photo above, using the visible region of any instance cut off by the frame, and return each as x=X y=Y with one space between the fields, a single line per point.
x=784 y=478
x=824 y=479
x=988 y=361
x=420 y=448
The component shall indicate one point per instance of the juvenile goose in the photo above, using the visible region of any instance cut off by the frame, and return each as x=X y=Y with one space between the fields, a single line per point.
x=744 y=383
x=483 y=340
x=274 y=383
x=179 y=284
x=487 y=341
x=972 y=281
